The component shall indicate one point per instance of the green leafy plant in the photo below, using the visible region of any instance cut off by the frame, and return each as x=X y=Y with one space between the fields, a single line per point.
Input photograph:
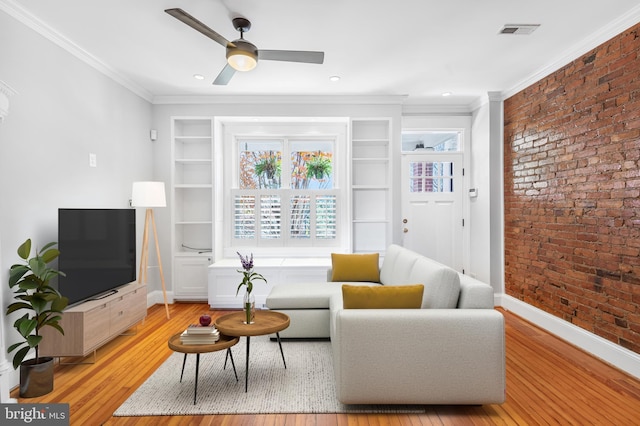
x=319 y=168
x=269 y=167
x=44 y=303
x=268 y=170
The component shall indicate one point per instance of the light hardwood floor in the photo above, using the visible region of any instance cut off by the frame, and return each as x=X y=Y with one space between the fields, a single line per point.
x=548 y=382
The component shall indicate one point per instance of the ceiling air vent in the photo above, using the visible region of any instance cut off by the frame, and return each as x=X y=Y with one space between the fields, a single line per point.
x=521 y=29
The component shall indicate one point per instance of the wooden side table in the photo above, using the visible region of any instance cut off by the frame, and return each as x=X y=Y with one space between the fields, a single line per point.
x=225 y=342
x=265 y=322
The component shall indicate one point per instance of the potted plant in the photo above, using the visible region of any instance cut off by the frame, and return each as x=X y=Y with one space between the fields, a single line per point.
x=43 y=305
x=268 y=171
x=319 y=168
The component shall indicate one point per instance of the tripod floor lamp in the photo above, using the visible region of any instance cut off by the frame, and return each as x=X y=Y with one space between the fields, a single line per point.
x=149 y=195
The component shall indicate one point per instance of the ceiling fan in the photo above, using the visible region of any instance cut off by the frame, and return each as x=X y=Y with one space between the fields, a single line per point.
x=243 y=55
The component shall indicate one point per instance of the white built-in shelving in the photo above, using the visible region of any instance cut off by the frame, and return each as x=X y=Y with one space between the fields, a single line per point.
x=370 y=184
x=192 y=205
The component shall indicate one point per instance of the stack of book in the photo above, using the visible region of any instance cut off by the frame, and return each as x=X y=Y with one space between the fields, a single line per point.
x=200 y=335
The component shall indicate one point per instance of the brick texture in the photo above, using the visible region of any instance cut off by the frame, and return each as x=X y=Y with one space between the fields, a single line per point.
x=572 y=192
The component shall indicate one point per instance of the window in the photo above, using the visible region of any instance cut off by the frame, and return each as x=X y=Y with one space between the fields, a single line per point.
x=284 y=193
x=431 y=176
x=432 y=140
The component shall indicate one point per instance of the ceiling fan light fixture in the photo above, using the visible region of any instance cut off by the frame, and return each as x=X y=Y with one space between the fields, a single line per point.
x=242 y=56
x=240 y=61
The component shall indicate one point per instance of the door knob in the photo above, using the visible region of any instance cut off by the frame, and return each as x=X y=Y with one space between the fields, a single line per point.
x=404 y=220
x=405 y=230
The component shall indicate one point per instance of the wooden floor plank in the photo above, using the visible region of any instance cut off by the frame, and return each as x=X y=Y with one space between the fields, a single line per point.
x=548 y=382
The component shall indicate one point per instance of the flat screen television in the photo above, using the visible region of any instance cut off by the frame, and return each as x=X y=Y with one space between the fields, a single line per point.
x=97 y=252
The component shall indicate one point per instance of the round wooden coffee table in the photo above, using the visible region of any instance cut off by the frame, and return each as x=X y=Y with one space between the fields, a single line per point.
x=265 y=322
x=225 y=342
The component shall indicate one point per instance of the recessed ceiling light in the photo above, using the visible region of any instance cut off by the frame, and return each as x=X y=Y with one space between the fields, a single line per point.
x=445 y=94
x=198 y=76
x=334 y=78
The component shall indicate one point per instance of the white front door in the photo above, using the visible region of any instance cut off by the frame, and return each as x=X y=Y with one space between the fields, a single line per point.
x=432 y=209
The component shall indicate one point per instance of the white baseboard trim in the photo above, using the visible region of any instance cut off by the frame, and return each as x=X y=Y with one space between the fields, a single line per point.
x=156 y=298
x=624 y=359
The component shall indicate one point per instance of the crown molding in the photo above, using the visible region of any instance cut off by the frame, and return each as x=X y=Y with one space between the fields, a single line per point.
x=5 y=92
x=484 y=100
x=494 y=96
x=435 y=109
x=606 y=33
x=280 y=100
x=13 y=9
x=6 y=89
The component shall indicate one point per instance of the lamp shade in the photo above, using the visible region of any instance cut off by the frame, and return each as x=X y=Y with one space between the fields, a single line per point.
x=148 y=194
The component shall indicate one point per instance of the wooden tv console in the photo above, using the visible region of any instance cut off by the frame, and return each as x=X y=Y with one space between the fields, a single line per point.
x=91 y=324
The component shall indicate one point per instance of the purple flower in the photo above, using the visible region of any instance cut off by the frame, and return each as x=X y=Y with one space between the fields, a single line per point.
x=247 y=262
x=247 y=273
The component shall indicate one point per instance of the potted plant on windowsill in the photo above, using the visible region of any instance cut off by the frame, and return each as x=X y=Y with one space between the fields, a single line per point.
x=43 y=305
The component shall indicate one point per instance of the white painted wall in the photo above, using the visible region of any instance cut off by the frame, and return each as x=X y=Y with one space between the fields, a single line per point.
x=62 y=111
x=496 y=184
x=479 y=207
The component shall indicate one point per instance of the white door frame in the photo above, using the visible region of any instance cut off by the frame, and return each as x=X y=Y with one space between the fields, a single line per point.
x=457 y=123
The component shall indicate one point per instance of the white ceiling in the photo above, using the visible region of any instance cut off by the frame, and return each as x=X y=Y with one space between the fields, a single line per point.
x=413 y=48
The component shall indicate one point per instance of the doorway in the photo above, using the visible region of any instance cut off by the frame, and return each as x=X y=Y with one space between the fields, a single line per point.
x=432 y=196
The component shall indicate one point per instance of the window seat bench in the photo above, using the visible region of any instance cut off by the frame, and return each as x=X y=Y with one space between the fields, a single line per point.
x=224 y=278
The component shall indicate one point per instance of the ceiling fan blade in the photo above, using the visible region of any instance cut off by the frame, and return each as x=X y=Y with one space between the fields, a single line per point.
x=183 y=16
x=292 y=56
x=225 y=75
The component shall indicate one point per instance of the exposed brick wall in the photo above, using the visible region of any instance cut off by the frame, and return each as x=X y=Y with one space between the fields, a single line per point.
x=572 y=192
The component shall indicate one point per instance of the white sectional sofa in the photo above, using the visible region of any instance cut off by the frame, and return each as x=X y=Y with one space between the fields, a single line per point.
x=451 y=351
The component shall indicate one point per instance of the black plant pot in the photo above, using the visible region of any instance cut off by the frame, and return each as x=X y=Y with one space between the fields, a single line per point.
x=36 y=379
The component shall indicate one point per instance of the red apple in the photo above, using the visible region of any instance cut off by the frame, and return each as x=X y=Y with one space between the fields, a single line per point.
x=205 y=320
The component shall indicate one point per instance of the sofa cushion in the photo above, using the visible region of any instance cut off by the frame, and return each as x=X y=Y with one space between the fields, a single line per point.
x=355 y=267
x=301 y=296
x=441 y=283
x=382 y=297
x=474 y=294
x=305 y=295
x=397 y=265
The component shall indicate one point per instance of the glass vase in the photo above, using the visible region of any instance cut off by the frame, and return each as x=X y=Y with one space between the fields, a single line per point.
x=249 y=308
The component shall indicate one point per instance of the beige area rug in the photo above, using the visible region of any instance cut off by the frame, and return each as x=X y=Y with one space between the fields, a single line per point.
x=305 y=386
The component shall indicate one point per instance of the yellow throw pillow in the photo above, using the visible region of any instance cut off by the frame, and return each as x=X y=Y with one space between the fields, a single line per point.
x=382 y=297
x=355 y=267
